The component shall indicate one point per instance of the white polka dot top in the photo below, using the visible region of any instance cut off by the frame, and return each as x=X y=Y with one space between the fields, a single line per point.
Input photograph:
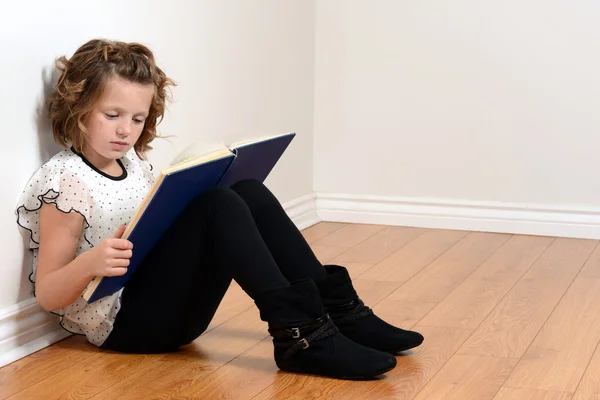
x=73 y=184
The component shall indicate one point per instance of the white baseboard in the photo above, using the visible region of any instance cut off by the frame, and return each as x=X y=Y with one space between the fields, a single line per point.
x=303 y=211
x=26 y=328
x=461 y=215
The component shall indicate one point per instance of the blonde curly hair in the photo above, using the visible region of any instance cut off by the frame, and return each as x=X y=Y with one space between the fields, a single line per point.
x=83 y=79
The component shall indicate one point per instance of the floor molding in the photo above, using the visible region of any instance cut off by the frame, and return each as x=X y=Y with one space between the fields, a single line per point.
x=303 y=211
x=26 y=328
x=540 y=220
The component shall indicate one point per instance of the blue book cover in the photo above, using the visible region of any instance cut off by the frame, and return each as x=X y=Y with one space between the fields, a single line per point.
x=255 y=160
x=175 y=189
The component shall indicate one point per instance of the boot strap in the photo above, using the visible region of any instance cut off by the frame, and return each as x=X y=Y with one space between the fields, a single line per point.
x=299 y=330
x=326 y=330
x=352 y=310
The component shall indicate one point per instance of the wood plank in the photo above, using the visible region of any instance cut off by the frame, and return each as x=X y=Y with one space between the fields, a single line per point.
x=402 y=314
x=591 y=269
x=341 y=240
x=372 y=292
x=412 y=258
x=557 y=358
x=476 y=296
x=442 y=276
x=357 y=269
x=43 y=365
x=468 y=377
x=177 y=371
x=327 y=253
x=86 y=378
x=234 y=303
x=510 y=328
x=589 y=386
x=379 y=246
x=349 y=236
x=160 y=380
x=243 y=378
x=413 y=372
x=320 y=230
x=531 y=394
x=299 y=387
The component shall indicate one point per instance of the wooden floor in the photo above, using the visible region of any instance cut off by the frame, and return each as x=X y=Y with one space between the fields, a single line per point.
x=504 y=317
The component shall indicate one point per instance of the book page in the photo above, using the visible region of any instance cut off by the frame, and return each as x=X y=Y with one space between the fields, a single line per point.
x=197 y=160
x=257 y=139
x=196 y=150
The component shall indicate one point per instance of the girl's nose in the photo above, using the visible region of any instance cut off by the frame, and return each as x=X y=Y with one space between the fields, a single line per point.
x=124 y=129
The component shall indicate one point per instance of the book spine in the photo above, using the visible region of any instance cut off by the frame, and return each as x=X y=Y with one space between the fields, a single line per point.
x=226 y=172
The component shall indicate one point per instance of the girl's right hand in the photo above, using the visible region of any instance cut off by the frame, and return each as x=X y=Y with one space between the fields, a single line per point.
x=111 y=256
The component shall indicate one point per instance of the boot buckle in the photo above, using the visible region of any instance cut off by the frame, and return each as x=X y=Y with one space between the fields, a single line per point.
x=303 y=344
x=295 y=332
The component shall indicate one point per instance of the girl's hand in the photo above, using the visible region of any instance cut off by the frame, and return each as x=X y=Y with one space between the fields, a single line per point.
x=111 y=256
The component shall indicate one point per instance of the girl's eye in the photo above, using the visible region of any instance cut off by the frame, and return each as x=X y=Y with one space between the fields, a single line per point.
x=138 y=121
x=111 y=115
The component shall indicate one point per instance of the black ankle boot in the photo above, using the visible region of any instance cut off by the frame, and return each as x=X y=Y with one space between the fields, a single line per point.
x=357 y=321
x=307 y=341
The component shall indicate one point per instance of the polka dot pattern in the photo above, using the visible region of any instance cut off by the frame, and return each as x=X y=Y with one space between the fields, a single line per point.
x=72 y=184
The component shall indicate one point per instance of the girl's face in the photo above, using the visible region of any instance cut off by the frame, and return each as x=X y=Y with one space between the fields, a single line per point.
x=117 y=120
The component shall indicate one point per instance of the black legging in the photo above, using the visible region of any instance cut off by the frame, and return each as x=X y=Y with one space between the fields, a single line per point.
x=240 y=232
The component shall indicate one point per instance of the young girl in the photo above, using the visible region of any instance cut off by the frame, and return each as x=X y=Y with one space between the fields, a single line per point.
x=104 y=112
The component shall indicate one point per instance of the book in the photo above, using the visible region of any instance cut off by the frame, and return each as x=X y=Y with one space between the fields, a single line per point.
x=194 y=171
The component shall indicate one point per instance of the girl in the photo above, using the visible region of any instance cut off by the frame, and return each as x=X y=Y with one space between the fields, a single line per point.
x=104 y=111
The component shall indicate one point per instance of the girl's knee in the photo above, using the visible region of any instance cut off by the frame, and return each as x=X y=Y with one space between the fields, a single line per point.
x=254 y=193
x=220 y=196
x=249 y=185
x=213 y=202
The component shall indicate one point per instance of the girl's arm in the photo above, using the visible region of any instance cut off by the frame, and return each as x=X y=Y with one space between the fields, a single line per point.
x=61 y=277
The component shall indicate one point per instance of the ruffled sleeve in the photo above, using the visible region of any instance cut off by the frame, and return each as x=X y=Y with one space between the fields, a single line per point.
x=52 y=185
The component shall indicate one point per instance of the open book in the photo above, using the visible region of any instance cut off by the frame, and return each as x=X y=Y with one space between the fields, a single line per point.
x=176 y=187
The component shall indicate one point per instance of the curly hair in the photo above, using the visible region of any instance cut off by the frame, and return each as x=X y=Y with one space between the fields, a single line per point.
x=83 y=79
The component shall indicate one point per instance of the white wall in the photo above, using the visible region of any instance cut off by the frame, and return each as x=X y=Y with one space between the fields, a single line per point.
x=242 y=67
x=464 y=100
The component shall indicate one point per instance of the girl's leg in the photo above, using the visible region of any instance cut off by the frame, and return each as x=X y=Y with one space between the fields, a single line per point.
x=171 y=298
x=297 y=261
x=290 y=250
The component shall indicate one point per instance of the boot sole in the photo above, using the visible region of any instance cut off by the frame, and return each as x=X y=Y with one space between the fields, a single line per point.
x=370 y=377
x=349 y=378
x=405 y=348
